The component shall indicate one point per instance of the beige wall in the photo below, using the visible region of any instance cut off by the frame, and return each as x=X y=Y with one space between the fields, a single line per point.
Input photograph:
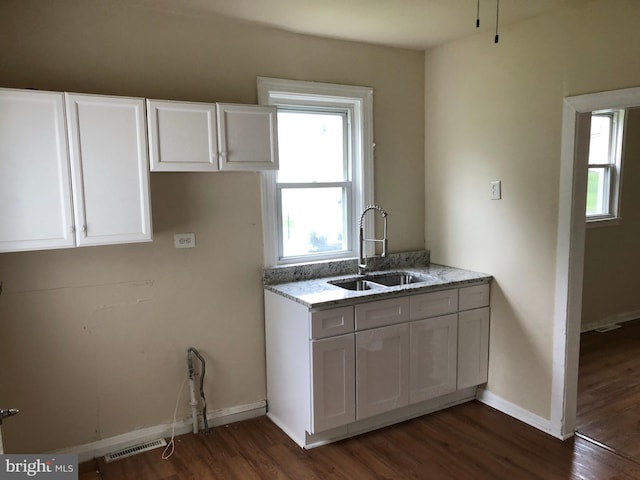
x=612 y=258
x=94 y=340
x=494 y=112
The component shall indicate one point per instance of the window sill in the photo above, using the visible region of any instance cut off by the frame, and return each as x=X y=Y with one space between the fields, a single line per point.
x=597 y=222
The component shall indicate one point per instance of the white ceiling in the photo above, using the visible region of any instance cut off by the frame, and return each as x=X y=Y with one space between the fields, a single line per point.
x=415 y=24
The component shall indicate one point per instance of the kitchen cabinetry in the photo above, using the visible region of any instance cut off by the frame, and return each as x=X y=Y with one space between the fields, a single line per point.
x=109 y=169
x=340 y=371
x=382 y=358
x=182 y=136
x=73 y=170
x=197 y=137
x=382 y=370
x=473 y=336
x=35 y=187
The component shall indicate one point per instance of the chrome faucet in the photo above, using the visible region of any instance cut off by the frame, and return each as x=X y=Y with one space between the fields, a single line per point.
x=362 y=261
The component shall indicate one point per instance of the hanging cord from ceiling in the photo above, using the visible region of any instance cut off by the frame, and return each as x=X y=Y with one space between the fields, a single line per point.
x=497 y=38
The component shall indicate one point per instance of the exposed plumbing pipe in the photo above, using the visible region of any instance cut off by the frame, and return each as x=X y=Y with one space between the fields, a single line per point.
x=192 y=390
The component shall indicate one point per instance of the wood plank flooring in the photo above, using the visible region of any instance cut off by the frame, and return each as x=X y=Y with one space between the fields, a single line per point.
x=469 y=441
x=609 y=388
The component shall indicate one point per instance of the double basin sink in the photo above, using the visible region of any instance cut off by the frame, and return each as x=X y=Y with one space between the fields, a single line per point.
x=380 y=281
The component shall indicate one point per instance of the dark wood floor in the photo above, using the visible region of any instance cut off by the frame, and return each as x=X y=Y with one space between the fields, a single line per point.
x=470 y=441
x=609 y=388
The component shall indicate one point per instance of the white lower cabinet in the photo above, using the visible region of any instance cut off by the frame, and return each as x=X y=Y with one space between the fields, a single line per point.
x=434 y=357
x=336 y=372
x=333 y=372
x=382 y=370
x=473 y=347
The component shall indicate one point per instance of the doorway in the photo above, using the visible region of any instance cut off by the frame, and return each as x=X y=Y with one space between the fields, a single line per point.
x=571 y=248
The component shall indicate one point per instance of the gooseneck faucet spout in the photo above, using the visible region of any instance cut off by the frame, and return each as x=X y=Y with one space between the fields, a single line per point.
x=362 y=261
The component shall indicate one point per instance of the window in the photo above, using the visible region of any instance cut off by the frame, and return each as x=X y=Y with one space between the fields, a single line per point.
x=605 y=152
x=311 y=204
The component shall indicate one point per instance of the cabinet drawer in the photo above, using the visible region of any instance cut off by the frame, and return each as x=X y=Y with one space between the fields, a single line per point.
x=434 y=304
x=328 y=323
x=474 y=297
x=381 y=313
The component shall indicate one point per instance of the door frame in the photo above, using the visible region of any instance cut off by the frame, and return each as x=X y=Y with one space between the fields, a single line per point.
x=576 y=125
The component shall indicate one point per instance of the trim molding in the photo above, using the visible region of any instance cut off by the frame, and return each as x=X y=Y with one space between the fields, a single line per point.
x=611 y=320
x=215 y=418
x=519 y=413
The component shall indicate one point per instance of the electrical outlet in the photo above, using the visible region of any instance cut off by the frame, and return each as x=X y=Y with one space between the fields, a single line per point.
x=184 y=240
x=496 y=190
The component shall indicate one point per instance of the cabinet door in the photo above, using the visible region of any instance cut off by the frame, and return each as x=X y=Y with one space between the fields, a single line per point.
x=182 y=136
x=473 y=347
x=333 y=385
x=35 y=188
x=433 y=355
x=248 y=137
x=109 y=169
x=382 y=370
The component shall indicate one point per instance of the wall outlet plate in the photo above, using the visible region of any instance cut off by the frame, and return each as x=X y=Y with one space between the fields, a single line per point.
x=184 y=240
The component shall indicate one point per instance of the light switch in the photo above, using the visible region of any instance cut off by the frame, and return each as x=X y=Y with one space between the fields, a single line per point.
x=496 y=190
x=184 y=240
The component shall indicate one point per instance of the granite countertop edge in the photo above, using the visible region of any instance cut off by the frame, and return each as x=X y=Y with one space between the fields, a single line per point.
x=316 y=292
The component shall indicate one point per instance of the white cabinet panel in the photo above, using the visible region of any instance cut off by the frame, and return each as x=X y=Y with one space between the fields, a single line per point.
x=474 y=297
x=182 y=136
x=382 y=370
x=110 y=172
x=433 y=357
x=247 y=136
x=335 y=321
x=333 y=387
x=382 y=312
x=433 y=304
x=35 y=190
x=473 y=347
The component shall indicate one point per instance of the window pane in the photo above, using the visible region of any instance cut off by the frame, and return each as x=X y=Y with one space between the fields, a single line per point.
x=311 y=147
x=600 y=145
x=597 y=191
x=313 y=220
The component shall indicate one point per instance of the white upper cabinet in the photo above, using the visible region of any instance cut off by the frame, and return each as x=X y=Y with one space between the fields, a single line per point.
x=110 y=170
x=35 y=193
x=206 y=137
x=247 y=136
x=182 y=136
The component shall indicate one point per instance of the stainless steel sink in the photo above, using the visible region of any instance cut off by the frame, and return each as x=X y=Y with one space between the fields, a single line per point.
x=358 y=285
x=395 y=279
x=379 y=281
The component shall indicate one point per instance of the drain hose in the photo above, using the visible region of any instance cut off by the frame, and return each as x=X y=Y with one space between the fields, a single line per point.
x=190 y=352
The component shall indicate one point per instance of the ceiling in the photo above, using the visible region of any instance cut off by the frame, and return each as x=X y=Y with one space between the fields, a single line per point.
x=414 y=24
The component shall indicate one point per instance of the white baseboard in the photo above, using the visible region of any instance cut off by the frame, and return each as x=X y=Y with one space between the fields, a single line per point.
x=610 y=320
x=215 y=418
x=519 y=413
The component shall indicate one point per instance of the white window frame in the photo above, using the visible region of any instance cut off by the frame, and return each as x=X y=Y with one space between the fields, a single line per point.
x=614 y=171
x=359 y=103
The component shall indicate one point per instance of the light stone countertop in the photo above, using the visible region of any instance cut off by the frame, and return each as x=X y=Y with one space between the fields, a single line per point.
x=315 y=292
